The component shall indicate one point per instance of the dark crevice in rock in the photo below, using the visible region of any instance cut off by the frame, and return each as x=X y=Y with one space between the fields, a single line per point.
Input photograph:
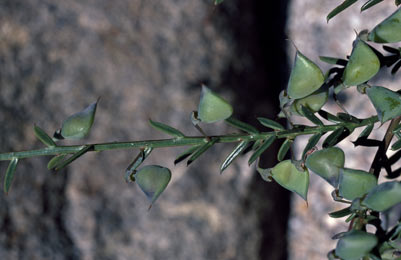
x=257 y=74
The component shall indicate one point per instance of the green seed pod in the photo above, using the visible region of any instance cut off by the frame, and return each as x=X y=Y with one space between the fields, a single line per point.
x=387 y=31
x=314 y=102
x=153 y=180
x=362 y=65
x=327 y=163
x=383 y=196
x=386 y=102
x=306 y=77
x=355 y=183
x=79 y=124
x=355 y=244
x=213 y=108
x=287 y=175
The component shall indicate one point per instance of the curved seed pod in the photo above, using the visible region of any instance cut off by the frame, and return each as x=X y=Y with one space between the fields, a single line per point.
x=327 y=163
x=355 y=244
x=383 y=196
x=213 y=108
x=386 y=102
x=388 y=30
x=79 y=124
x=306 y=77
x=153 y=180
x=355 y=183
x=362 y=65
x=287 y=175
x=314 y=102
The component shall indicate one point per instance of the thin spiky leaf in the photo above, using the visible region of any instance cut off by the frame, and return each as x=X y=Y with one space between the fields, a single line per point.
x=310 y=115
x=75 y=156
x=181 y=157
x=366 y=132
x=284 y=149
x=261 y=149
x=340 y=8
x=311 y=143
x=201 y=150
x=333 y=138
x=329 y=117
x=8 y=179
x=166 y=129
x=369 y=4
x=54 y=161
x=270 y=123
x=234 y=154
x=43 y=136
x=340 y=213
x=241 y=125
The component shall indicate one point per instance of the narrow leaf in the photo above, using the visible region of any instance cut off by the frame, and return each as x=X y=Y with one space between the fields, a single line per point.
x=166 y=129
x=311 y=143
x=8 y=179
x=43 y=136
x=201 y=150
x=309 y=115
x=75 y=156
x=340 y=8
x=334 y=61
x=341 y=213
x=241 y=125
x=270 y=123
x=234 y=154
x=396 y=68
x=333 y=138
x=348 y=118
x=261 y=149
x=396 y=145
x=369 y=4
x=366 y=132
x=284 y=149
x=54 y=161
x=186 y=154
x=139 y=159
x=398 y=128
x=329 y=117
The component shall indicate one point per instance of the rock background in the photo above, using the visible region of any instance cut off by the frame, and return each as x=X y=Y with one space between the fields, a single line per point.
x=145 y=59
x=310 y=228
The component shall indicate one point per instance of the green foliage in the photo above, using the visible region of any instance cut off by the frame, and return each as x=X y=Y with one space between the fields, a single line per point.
x=305 y=96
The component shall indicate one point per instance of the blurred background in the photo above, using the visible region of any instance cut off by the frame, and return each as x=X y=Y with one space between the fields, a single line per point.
x=147 y=59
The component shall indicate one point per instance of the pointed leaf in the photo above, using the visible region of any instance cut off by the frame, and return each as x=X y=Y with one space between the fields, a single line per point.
x=212 y=107
x=75 y=156
x=8 y=179
x=386 y=102
x=284 y=149
x=43 y=136
x=355 y=183
x=79 y=124
x=340 y=8
x=166 y=129
x=329 y=117
x=305 y=78
x=369 y=4
x=242 y=125
x=366 y=132
x=201 y=150
x=186 y=154
x=288 y=176
x=311 y=143
x=309 y=115
x=327 y=163
x=389 y=30
x=261 y=149
x=341 y=213
x=396 y=146
x=270 y=123
x=334 y=138
x=348 y=118
x=234 y=154
x=383 y=196
x=153 y=180
x=363 y=64
x=54 y=161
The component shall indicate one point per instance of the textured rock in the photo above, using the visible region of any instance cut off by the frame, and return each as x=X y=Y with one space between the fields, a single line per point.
x=145 y=59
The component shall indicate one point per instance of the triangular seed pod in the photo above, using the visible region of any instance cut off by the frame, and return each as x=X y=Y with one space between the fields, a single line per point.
x=212 y=108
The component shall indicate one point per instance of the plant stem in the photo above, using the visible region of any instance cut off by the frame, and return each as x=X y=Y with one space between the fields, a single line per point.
x=186 y=141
